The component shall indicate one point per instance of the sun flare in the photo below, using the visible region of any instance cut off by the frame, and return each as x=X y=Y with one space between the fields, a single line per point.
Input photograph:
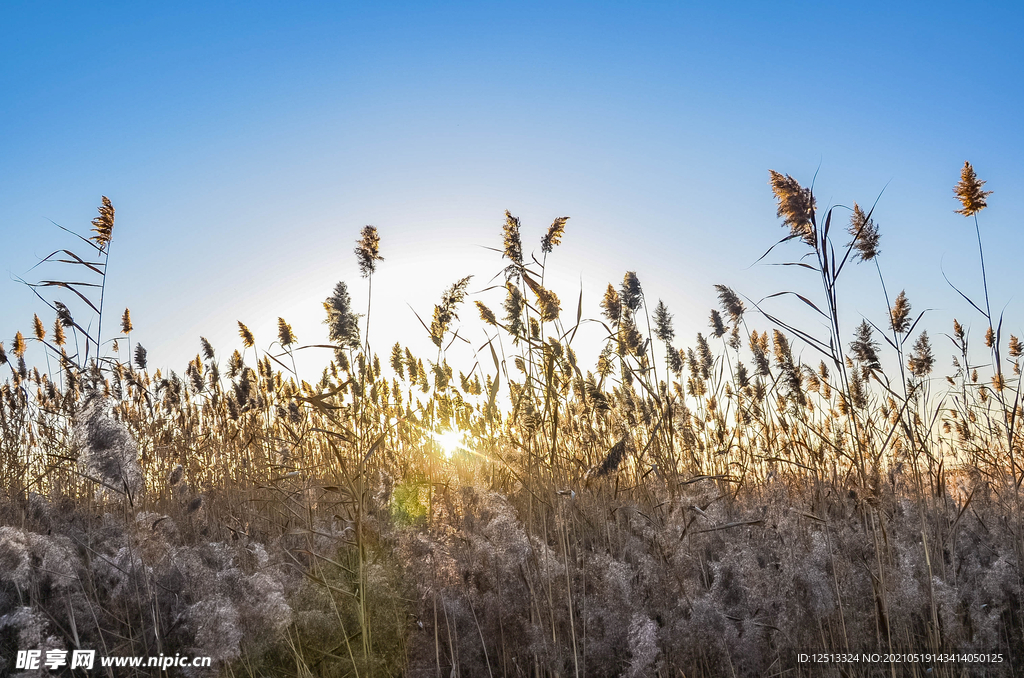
x=450 y=442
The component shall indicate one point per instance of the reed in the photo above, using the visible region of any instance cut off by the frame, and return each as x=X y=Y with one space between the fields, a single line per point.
x=701 y=510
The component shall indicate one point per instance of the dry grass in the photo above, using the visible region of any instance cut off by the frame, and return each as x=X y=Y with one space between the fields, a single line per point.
x=710 y=511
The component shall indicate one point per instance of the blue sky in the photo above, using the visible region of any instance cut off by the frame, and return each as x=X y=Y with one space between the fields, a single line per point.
x=245 y=144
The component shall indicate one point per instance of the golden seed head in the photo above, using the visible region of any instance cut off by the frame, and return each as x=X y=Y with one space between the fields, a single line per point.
x=368 y=251
x=58 y=333
x=18 y=347
x=969 y=192
x=486 y=314
x=554 y=235
x=899 y=315
x=284 y=333
x=922 y=360
x=37 y=328
x=865 y=234
x=513 y=242
x=796 y=206
x=103 y=225
x=247 y=339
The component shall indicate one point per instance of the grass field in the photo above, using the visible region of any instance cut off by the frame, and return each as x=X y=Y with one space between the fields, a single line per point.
x=713 y=510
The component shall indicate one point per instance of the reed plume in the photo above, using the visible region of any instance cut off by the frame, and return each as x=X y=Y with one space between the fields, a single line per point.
x=342 y=322
x=899 y=315
x=796 y=206
x=140 y=356
x=18 y=345
x=631 y=292
x=247 y=339
x=547 y=301
x=285 y=336
x=486 y=314
x=611 y=305
x=64 y=314
x=103 y=225
x=663 y=323
x=730 y=303
x=513 y=244
x=864 y=347
x=59 y=338
x=922 y=359
x=38 y=330
x=613 y=458
x=553 y=235
x=865 y=234
x=445 y=312
x=207 y=348
x=969 y=192
x=368 y=251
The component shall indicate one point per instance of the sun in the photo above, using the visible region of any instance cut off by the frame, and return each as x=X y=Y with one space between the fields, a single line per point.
x=450 y=442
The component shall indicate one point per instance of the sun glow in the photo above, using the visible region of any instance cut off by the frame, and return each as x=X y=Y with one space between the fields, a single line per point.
x=450 y=442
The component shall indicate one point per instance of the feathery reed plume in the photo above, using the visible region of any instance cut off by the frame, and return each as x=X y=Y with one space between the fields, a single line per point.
x=864 y=347
x=176 y=475
x=629 y=338
x=611 y=305
x=513 y=243
x=968 y=192
x=103 y=225
x=899 y=315
x=486 y=314
x=396 y=360
x=58 y=333
x=547 y=301
x=207 y=348
x=791 y=374
x=858 y=389
x=554 y=235
x=284 y=333
x=613 y=458
x=126 y=322
x=703 y=359
x=445 y=312
x=140 y=356
x=549 y=304
x=730 y=303
x=717 y=326
x=106 y=450
x=3 y=354
x=18 y=345
x=759 y=349
x=368 y=251
x=235 y=365
x=632 y=294
x=796 y=206
x=63 y=314
x=1016 y=349
x=342 y=323
x=865 y=234
x=38 y=330
x=247 y=339
x=513 y=306
x=922 y=360
x=663 y=323
x=673 y=360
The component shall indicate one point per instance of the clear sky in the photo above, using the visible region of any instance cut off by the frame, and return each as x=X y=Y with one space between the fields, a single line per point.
x=244 y=145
